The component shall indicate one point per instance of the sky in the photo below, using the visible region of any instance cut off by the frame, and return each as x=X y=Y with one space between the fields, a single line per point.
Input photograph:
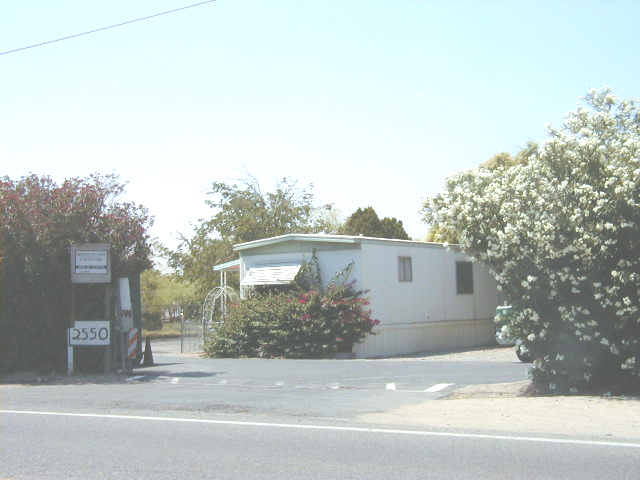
x=374 y=103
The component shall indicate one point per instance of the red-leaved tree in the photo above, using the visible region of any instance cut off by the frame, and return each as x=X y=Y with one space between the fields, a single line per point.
x=39 y=220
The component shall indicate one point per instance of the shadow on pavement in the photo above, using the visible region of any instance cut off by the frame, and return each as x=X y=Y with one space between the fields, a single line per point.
x=157 y=364
x=54 y=378
x=168 y=373
x=34 y=379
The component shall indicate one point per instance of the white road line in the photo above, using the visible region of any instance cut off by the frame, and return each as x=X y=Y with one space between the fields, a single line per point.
x=437 y=387
x=390 y=386
x=175 y=380
x=279 y=384
x=293 y=426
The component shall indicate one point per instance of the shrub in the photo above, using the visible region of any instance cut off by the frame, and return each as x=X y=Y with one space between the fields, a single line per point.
x=39 y=220
x=294 y=324
x=560 y=231
x=152 y=320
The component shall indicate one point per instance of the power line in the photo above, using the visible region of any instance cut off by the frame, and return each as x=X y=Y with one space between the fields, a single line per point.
x=88 y=32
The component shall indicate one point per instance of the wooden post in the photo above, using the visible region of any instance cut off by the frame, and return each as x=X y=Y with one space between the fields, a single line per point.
x=124 y=348
x=71 y=324
x=69 y=359
x=73 y=306
x=107 y=310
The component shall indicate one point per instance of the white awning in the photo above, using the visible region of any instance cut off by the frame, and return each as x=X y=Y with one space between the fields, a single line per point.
x=271 y=275
x=232 y=265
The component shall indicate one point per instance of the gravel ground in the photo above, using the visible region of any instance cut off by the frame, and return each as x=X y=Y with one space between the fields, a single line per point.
x=505 y=407
x=489 y=354
x=481 y=354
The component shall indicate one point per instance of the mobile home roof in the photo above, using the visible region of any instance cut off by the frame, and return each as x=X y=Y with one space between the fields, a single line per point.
x=321 y=238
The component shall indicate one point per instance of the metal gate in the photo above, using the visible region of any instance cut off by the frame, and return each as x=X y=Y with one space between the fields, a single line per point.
x=191 y=333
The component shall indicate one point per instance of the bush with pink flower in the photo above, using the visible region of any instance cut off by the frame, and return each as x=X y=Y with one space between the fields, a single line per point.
x=295 y=324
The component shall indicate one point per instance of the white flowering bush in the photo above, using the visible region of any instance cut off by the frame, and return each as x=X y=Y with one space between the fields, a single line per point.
x=560 y=232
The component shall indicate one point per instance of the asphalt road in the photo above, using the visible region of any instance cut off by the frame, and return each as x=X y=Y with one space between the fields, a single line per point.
x=189 y=417
x=55 y=447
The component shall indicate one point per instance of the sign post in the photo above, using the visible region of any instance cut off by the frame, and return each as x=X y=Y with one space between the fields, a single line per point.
x=90 y=264
x=69 y=358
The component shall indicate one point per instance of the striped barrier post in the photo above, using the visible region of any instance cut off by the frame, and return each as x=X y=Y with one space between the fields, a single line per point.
x=132 y=344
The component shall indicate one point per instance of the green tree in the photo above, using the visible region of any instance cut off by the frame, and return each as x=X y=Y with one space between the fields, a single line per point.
x=365 y=221
x=504 y=160
x=392 y=228
x=165 y=293
x=441 y=234
x=242 y=213
x=194 y=258
x=560 y=232
x=327 y=220
x=161 y=290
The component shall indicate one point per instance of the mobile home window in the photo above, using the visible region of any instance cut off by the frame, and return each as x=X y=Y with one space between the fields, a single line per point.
x=464 y=278
x=404 y=269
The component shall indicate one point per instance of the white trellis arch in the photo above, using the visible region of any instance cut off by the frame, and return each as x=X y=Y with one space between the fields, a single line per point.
x=214 y=307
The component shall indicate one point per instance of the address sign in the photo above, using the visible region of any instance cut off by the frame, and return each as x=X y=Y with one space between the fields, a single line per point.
x=95 y=333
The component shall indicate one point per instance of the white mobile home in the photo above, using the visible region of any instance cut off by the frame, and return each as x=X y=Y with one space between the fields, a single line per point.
x=427 y=297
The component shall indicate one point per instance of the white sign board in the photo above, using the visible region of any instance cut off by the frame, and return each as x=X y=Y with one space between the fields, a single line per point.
x=94 y=333
x=90 y=263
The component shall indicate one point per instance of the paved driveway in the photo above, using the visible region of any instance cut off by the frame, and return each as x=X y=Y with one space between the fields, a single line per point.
x=408 y=374
x=327 y=389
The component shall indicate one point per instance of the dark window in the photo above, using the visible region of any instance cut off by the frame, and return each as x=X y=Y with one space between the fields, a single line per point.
x=464 y=278
x=404 y=269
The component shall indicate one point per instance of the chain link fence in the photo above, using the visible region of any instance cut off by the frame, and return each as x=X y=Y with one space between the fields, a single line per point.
x=191 y=334
x=190 y=323
x=180 y=323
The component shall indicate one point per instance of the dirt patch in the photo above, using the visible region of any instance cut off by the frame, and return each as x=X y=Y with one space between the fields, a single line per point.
x=492 y=390
x=482 y=354
x=507 y=407
x=487 y=354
